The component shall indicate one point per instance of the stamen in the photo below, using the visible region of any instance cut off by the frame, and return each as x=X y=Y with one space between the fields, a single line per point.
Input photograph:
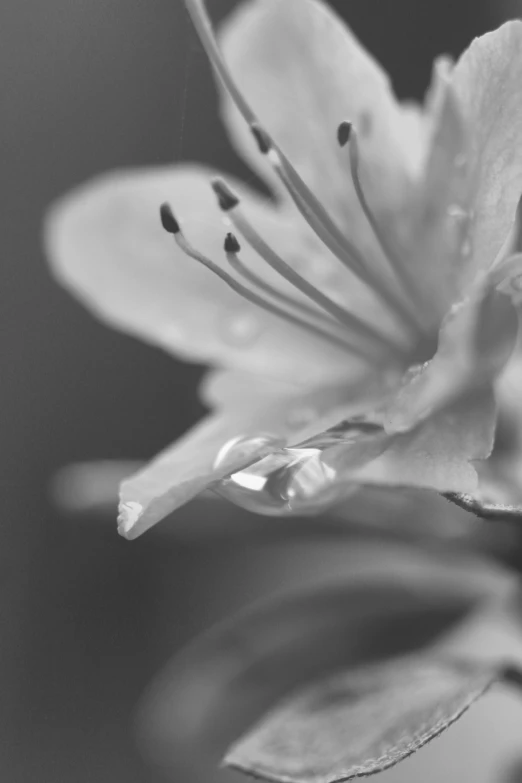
x=203 y=25
x=343 y=133
x=251 y=296
x=347 y=135
x=275 y=261
x=307 y=204
x=168 y=221
x=309 y=207
x=232 y=248
x=323 y=225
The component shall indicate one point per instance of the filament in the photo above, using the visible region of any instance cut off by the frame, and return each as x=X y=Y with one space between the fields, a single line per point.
x=171 y=225
x=242 y=269
x=275 y=261
x=395 y=260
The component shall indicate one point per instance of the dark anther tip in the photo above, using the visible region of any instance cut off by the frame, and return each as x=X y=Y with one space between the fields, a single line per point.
x=231 y=244
x=168 y=221
x=344 y=131
x=226 y=199
x=262 y=139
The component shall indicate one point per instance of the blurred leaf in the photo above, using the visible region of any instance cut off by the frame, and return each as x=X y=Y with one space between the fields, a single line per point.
x=361 y=721
x=395 y=604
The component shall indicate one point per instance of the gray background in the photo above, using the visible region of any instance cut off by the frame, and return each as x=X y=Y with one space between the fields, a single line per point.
x=86 y=618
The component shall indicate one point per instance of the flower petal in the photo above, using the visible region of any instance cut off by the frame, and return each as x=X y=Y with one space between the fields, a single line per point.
x=260 y=415
x=438 y=454
x=303 y=72
x=475 y=344
x=488 y=82
x=434 y=226
x=106 y=244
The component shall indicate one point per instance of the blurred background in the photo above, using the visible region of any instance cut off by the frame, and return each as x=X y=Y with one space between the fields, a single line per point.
x=87 y=618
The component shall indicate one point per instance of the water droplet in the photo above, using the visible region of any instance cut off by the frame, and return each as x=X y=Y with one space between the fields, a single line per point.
x=460 y=160
x=306 y=478
x=456 y=212
x=317 y=267
x=241 y=447
x=466 y=248
x=241 y=329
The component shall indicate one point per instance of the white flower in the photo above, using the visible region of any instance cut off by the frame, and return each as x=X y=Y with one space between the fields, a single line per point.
x=388 y=268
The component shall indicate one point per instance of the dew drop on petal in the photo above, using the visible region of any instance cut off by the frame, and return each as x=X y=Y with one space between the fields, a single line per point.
x=242 y=446
x=466 y=248
x=304 y=479
x=290 y=481
x=456 y=212
x=241 y=329
x=460 y=160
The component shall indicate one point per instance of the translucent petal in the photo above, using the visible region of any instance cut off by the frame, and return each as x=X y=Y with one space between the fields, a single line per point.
x=303 y=72
x=439 y=453
x=106 y=244
x=475 y=343
x=488 y=83
x=435 y=228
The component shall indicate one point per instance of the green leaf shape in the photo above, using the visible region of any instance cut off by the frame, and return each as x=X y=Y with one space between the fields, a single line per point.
x=361 y=721
x=399 y=602
x=485 y=509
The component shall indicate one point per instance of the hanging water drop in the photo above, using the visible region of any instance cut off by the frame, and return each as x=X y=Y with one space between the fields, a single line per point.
x=460 y=160
x=240 y=448
x=457 y=212
x=466 y=248
x=307 y=478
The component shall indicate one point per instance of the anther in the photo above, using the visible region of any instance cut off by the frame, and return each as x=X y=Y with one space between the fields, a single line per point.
x=279 y=265
x=344 y=131
x=232 y=249
x=168 y=221
x=226 y=198
x=254 y=298
x=263 y=140
x=231 y=244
